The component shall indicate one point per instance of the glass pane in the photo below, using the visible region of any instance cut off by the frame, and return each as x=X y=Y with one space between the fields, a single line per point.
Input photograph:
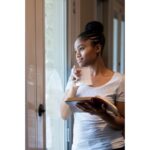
x=115 y=44
x=55 y=54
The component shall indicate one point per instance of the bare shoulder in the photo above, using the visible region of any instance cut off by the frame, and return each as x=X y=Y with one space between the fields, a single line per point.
x=109 y=71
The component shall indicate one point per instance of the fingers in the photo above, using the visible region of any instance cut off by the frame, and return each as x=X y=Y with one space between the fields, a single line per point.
x=98 y=104
x=104 y=107
x=84 y=107
x=90 y=108
x=76 y=73
x=87 y=107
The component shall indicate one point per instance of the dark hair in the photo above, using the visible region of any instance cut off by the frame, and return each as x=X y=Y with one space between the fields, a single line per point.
x=93 y=31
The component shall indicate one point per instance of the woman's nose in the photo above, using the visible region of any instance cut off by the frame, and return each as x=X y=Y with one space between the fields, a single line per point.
x=78 y=54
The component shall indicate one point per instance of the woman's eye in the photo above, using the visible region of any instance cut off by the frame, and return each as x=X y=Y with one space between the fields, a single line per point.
x=81 y=48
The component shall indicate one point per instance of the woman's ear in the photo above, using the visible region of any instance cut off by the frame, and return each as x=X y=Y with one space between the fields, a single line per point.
x=98 y=48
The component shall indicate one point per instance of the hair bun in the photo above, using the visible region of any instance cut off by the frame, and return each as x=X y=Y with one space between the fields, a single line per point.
x=94 y=27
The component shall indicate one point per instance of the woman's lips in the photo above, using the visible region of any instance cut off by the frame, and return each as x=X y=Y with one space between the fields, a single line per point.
x=79 y=60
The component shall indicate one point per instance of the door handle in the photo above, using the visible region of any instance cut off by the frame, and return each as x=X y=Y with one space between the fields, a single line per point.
x=41 y=109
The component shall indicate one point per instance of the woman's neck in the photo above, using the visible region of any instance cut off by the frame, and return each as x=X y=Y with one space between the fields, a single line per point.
x=98 y=67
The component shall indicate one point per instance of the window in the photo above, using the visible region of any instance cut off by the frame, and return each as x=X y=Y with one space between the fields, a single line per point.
x=55 y=71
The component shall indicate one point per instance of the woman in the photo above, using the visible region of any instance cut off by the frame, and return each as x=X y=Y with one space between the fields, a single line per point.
x=94 y=129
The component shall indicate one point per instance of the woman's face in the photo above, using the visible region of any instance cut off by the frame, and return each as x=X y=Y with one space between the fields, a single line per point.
x=86 y=54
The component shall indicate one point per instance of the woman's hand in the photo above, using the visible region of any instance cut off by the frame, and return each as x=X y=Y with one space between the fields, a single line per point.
x=75 y=74
x=94 y=108
x=100 y=109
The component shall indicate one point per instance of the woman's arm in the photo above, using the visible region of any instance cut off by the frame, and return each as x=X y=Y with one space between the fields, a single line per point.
x=65 y=109
x=116 y=122
x=71 y=92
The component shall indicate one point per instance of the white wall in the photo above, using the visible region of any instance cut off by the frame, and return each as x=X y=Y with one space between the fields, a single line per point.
x=12 y=77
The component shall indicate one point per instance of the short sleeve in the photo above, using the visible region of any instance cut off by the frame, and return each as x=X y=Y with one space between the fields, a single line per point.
x=120 y=95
